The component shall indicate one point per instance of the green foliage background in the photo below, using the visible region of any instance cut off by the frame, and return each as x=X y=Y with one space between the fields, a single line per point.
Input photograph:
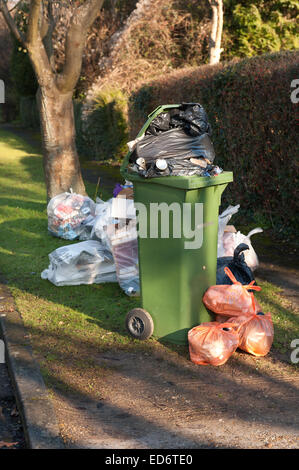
x=255 y=129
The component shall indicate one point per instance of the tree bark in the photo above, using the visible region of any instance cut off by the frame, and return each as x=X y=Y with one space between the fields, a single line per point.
x=60 y=157
x=216 y=32
x=54 y=96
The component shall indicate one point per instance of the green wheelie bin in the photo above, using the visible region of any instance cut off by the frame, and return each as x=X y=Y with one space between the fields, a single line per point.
x=175 y=270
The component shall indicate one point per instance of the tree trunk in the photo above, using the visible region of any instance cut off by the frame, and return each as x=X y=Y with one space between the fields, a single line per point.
x=61 y=161
x=216 y=33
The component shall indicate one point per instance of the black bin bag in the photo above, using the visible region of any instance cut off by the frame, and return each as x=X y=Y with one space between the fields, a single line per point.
x=174 y=143
x=237 y=265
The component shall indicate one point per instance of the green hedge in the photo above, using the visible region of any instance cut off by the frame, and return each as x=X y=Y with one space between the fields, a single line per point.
x=254 y=129
x=105 y=134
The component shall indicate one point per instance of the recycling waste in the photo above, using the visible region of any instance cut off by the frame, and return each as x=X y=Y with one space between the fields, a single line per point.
x=176 y=143
x=85 y=262
x=109 y=250
x=66 y=214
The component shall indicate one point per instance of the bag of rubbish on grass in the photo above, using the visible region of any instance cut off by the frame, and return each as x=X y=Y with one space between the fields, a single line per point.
x=212 y=343
x=81 y=263
x=256 y=332
x=232 y=299
x=237 y=265
x=124 y=246
x=231 y=240
x=66 y=214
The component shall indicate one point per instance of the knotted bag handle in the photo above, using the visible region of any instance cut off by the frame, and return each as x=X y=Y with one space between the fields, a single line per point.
x=234 y=280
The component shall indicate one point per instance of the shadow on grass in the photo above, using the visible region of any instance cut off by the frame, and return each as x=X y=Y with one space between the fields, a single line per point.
x=102 y=305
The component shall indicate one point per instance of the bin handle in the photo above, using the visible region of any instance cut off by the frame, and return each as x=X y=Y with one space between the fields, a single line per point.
x=151 y=116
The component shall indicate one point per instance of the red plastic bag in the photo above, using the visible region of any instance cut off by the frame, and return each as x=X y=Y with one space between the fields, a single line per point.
x=212 y=343
x=255 y=331
x=232 y=299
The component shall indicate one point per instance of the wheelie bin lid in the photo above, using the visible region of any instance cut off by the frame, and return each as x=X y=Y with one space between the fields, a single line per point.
x=181 y=182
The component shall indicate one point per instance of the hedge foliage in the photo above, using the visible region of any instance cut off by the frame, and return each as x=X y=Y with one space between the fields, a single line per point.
x=105 y=135
x=255 y=128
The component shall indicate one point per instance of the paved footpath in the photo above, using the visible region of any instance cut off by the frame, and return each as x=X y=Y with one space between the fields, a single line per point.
x=11 y=433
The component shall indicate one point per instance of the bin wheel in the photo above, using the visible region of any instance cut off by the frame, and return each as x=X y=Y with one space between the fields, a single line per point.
x=139 y=324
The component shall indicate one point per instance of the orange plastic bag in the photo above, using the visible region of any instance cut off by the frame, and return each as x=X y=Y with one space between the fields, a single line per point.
x=212 y=343
x=230 y=299
x=255 y=331
x=221 y=318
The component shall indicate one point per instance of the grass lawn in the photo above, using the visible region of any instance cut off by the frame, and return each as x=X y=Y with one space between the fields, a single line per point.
x=68 y=324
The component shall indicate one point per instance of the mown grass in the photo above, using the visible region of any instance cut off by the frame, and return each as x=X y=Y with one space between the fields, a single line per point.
x=65 y=322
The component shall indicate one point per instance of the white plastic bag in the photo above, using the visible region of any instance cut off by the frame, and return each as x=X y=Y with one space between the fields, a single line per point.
x=67 y=213
x=81 y=263
x=223 y=220
x=232 y=240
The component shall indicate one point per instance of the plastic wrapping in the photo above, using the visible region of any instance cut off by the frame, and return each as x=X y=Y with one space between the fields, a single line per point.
x=237 y=265
x=232 y=300
x=81 y=263
x=102 y=220
x=212 y=343
x=67 y=213
x=256 y=332
x=124 y=247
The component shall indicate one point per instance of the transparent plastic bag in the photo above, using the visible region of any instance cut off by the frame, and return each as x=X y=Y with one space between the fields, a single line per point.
x=86 y=262
x=256 y=332
x=124 y=247
x=230 y=299
x=102 y=220
x=67 y=213
x=212 y=343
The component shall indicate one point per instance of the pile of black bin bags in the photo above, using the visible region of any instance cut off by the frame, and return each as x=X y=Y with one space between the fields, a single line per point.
x=176 y=143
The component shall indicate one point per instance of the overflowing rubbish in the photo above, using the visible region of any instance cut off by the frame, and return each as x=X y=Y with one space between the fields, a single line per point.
x=67 y=213
x=108 y=251
x=237 y=265
x=229 y=238
x=189 y=116
x=176 y=143
x=81 y=263
x=212 y=343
